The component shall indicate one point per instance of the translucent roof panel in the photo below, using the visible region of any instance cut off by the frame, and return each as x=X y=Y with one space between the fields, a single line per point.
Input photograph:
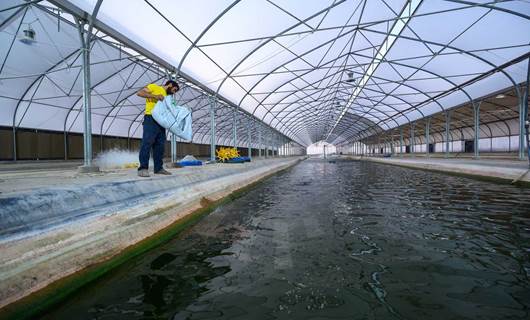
x=334 y=70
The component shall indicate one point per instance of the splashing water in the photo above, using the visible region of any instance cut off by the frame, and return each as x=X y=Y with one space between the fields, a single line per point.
x=118 y=159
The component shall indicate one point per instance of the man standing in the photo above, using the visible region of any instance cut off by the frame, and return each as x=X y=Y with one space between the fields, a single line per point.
x=154 y=135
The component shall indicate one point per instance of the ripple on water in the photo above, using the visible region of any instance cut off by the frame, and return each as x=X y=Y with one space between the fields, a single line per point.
x=336 y=241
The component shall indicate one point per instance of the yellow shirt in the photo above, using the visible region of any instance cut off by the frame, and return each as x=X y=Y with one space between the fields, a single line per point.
x=150 y=103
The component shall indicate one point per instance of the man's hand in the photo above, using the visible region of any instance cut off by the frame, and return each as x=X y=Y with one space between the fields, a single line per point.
x=158 y=97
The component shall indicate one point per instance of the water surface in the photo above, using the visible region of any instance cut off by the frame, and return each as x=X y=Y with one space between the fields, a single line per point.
x=344 y=240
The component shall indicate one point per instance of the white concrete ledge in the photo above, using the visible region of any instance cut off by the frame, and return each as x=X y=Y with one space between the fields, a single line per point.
x=501 y=170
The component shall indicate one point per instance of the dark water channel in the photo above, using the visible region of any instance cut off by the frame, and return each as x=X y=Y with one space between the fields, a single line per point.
x=344 y=240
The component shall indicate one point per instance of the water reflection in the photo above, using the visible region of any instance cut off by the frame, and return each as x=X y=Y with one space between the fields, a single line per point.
x=344 y=240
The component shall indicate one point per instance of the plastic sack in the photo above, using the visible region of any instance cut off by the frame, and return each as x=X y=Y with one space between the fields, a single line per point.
x=189 y=158
x=175 y=118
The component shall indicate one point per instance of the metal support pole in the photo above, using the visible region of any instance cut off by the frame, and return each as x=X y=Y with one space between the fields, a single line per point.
x=212 y=129
x=84 y=36
x=476 y=121
x=65 y=145
x=392 y=145
x=249 y=152
x=412 y=137
x=275 y=145
x=525 y=109
x=447 y=129
x=271 y=139
x=173 y=148
x=522 y=120
x=271 y=143
x=234 y=128
x=266 y=146
x=259 y=142
x=427 y=136
x=14 y=143
x=278 y=145
x=401 y=142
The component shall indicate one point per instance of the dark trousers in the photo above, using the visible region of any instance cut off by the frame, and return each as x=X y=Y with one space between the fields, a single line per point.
x=154 y=138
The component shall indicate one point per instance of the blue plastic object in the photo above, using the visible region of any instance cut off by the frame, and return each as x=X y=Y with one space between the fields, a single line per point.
x=247 y=159
x=235 y=160
x=190 y=163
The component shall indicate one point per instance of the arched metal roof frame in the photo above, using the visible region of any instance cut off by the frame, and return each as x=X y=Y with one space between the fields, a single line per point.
x=303 y=110
x=347 y=127
x=390 y=62
x=456 y=109
x=114 y=106
x=460 y=87
x=194 y=43
x=460 y=123
x=299 y=56
x=373 y=108
x=39 y=79
x=336 y=3
x=470 y=53
x=204 y=31
x=184 y=77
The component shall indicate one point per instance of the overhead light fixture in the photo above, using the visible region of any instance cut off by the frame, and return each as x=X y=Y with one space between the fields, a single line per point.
x=28 y=35
x=500 y=96
x=350 y=77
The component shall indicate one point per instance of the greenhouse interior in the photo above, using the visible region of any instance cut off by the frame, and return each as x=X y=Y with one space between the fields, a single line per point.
x=264 y=159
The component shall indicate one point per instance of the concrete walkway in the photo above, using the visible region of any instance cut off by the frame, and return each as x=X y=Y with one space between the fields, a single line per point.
x=511 y=171
x=55 y=223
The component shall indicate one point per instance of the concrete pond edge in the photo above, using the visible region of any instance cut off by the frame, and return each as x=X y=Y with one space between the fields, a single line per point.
x=453 y=172
x=36 y=302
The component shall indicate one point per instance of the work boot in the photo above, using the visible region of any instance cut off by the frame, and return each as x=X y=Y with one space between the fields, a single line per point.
x=144 y=173
x=164 y=172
